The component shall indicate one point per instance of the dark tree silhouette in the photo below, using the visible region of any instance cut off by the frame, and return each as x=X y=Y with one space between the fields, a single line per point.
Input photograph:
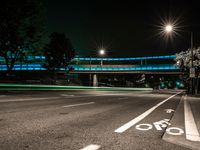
x=59 y=52
x=21 y=27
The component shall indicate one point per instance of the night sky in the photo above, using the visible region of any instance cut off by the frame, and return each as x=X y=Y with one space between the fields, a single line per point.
x=124 y=28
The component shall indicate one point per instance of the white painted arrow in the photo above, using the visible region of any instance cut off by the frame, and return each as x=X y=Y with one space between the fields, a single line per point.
x=169 y=111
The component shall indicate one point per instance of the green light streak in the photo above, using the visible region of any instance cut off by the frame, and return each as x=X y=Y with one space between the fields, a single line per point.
x=57 y=87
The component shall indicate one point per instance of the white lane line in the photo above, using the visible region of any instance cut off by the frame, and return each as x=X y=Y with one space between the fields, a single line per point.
x=123 y=98
x=191 y=130
x=81 y=104
x=110 y=94
x=27 y=99
x=66 y=95
x=142 y=116
x=91 y=147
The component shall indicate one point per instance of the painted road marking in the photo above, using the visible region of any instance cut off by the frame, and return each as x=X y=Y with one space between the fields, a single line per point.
x=81 y=104
x=27 y=99
x=160 y=125
x=91 y=147
x=191 y=130
x=144 y=127
x=142 y=116
x=66 y=95
x=174 y=131
x=169 y=111
x=123 y=98
x=115 y=94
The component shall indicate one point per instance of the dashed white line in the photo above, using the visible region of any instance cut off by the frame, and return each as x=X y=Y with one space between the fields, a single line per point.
x=191 y=130
x=142 y=116
x=27 y=99
x=110 y=94
x=91 y=147
x=66 y=95
x=123 y=98
x=81 y=104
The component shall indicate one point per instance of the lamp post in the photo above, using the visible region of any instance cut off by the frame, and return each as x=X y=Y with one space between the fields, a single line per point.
x=102 y=53
x=192 y=69
x=169 y=28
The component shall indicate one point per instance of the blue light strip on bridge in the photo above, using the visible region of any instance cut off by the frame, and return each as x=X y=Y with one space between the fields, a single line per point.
x=105 y=59
x=38 y=67
x=127 y=59
x=136 y=68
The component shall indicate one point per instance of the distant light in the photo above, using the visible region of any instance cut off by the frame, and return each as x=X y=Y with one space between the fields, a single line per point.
x=168 y=28
x=102 y=52
x=178 y=63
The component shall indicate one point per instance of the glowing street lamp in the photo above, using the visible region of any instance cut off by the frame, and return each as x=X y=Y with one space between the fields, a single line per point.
x=102 y=53
x=169 y=28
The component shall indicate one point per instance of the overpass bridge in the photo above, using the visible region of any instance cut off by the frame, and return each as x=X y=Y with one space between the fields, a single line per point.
x=125 y=65
x=128 y=69
x=94 y=66
x=133 y=65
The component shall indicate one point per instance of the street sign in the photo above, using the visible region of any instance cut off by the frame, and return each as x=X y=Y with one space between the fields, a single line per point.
x=192 y=72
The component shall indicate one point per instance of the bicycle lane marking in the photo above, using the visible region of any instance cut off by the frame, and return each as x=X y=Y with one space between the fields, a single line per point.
x=159 y=126
x=131 y=123
x=91 y=147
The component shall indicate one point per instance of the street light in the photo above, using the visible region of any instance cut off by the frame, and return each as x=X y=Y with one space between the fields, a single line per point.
x=169 y=28
x=102 y=53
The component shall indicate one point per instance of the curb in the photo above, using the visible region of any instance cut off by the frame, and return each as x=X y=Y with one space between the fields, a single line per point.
x=178 y=123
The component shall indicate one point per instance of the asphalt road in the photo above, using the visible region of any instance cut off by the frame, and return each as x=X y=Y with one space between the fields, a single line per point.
x=87 y=120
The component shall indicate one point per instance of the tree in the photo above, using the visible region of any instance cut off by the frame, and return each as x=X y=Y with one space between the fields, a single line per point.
x=21 y=28
x=59 y=52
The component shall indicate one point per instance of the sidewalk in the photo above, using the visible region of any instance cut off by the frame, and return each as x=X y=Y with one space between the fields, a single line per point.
x=185 y=124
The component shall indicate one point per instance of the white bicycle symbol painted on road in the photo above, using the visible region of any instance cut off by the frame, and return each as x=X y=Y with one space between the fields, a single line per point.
x=160 y=125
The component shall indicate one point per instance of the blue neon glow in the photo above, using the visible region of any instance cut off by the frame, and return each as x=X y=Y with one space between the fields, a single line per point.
x=105 y=59
x=133 y=68
x=125 y=59
x=98 y=68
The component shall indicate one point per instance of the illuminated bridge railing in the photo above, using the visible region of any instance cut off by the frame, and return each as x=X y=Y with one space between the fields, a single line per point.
x=127 y=59
x=42 y=58
x=24 y=67
x=32 y=67
x=125 y=67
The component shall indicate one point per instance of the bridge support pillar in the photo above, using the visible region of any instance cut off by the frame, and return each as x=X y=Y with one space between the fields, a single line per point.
x=90 y=79
x=95 y=80
x=143 y=62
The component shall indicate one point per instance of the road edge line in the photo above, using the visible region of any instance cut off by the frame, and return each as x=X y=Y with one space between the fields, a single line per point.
x=131 y=123
x=191 y=130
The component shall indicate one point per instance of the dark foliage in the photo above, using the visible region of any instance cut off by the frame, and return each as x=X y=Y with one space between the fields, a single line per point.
x=21 y=26
x=59 y=52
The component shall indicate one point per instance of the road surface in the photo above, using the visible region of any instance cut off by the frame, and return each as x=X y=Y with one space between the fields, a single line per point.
x=87 y=120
